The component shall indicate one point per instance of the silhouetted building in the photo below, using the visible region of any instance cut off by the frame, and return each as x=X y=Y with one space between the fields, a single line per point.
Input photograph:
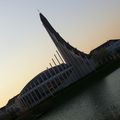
x=12 y=108
x=3 y=114
x=106 y=52
x=76 y=66
x=72 y=65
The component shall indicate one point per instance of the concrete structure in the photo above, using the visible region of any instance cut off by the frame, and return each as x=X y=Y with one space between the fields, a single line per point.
x=106 y=52
x=75 y=65
x=43 y=85
x=12 y=109
x=72 y=65
x=3 y=114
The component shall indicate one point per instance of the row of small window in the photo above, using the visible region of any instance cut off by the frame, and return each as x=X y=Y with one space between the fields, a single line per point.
x=43 y=91
x=40 y=93
x=40 y=79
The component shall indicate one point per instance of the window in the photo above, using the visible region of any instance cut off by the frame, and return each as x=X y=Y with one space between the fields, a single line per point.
x=41 y=91
x=64 y=75
x=58 y=81
x=52 y=71
x=61 y=68
x=36 y=82
x=35 y=97
x=48 y=74
x=32 y=84
x=28 y=99
x=44 y=76
x=46 y=89
x=54 y=84
x=23 y=102
x=56 y=70
x=38 y=94
x=31 y=98
x=50 y=86
x=24 y=99
x=40 y=79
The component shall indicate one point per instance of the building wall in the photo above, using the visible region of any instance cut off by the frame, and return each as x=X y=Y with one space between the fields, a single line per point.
x=43 y=90
x=107 y=53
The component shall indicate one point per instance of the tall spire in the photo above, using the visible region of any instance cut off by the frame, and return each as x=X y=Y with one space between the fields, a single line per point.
x=46 y=23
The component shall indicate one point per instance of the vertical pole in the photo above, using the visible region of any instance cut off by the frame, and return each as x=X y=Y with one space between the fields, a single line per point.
x=57 y=59
x=54 y=62
x=59 y=56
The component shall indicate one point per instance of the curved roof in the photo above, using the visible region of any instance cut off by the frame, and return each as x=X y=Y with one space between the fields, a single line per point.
x=50 y=73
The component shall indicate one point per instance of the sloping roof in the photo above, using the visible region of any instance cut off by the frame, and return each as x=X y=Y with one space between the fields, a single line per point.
x=2 y=109
x=109 y=42
x=12 y=100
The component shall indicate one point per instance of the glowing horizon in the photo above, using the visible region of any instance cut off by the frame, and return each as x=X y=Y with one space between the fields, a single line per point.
x=26 y=49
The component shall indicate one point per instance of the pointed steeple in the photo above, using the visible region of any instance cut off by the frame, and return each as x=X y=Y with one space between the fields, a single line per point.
x=58 y=40
x=46 y=23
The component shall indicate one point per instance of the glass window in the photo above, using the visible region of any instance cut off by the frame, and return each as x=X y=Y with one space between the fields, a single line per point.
x=24 y=99
x=31 y=98
x=40 y=79
x=58 y=81
x=23 y=102
x=44 y=76
x=36 y=82
x=60 y=68
x=41 y=91
x=28 y=99
x=48 y=74
x=38 y=94
x=46 y=89
x=52 y=72
x=54 y=84
x=57 y=70
x=32 y=84
x=35 y=97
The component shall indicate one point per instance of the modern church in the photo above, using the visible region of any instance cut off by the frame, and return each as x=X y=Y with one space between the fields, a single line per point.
x=75 y=65
x=72 y=65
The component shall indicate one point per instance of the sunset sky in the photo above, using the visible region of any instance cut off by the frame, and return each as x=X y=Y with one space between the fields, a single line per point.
x=25 y=47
